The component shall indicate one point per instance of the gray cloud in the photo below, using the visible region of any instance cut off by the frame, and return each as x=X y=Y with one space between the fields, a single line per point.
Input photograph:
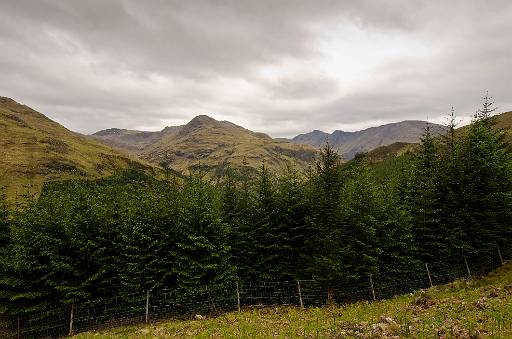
x=281 y=67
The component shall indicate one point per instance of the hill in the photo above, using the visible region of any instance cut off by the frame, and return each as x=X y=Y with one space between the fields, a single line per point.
x=348 y=144
x=211 y=145
x=35 y=149
x=475 y=308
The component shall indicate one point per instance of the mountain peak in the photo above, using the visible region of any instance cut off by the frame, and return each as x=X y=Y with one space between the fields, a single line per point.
x=201 y=120
x=108 y=131
x=6 y=100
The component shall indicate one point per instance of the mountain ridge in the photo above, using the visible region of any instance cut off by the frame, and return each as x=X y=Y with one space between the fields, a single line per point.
x=210 y=144
x=348 y=144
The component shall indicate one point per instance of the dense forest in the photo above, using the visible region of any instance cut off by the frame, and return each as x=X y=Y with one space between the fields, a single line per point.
x=81 y=240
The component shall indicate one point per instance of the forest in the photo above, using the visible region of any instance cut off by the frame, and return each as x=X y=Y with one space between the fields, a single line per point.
x=337 y=222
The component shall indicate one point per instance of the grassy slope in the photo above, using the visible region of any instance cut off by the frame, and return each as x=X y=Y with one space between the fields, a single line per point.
x=462 y=309
x=34 y=149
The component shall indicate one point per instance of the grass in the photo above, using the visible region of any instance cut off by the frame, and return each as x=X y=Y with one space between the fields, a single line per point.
x=476 y=308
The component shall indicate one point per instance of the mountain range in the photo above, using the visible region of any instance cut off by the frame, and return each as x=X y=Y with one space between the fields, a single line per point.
x=34 y=149
x=209 y=144
x=348 y=144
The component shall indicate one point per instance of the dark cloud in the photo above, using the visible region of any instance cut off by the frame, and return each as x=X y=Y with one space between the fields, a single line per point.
x=281 y=67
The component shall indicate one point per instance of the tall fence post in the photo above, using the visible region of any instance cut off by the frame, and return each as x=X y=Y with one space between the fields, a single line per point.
x=501 y=257
x=71 y=320
x=371 y=285
x=467 y=267
x=19 y=329
x=238 y=297
x=300 y=295
x=429 y=277
x=147 y=306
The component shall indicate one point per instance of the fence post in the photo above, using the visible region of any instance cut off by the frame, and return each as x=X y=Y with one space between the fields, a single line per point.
x=371 y=285
x=429 y=278
x=147 y=306
x=238 y=297
x=300 y=295
x=501 y=258
x=71 y=320
x=467 y=267
x=18 y=331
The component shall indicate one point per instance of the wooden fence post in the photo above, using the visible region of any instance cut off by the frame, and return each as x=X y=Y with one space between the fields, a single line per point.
x=71 y=320
x=371 y=285
x=19 y=330
x=147 y=306
x=238 y=297
x=501 y=258
x=467 y=267
x=429 y=278
x=300 y=295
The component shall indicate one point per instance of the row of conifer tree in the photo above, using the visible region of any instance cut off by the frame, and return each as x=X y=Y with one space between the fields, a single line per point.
x=337 y=222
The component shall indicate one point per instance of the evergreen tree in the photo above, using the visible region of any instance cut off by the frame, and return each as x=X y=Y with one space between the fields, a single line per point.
x=485 y=182
x=237 y=213
x=430 y=239
x=361 y=213
x=291 y=219
x=323 y=255
x=203 y=252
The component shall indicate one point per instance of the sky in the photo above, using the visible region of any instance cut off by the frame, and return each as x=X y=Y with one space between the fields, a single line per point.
x=282 y=67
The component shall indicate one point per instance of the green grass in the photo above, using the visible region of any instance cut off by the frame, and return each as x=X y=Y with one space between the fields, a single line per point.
x=475 y=308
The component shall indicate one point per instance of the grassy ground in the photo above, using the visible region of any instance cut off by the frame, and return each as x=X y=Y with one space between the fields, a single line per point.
x=477 y=308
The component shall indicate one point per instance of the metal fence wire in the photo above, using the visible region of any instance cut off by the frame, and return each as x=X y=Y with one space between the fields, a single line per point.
x=148 y=306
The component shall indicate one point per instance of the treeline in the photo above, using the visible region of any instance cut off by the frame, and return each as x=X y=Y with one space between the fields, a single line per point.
x=81 y=240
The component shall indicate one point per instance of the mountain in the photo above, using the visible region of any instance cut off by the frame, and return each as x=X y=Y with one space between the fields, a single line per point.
x=130 y=140
x=209 y=144
x=34 y=149
x=348 y=144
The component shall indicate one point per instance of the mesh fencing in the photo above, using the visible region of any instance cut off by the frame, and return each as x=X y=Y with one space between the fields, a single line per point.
x=160 y=304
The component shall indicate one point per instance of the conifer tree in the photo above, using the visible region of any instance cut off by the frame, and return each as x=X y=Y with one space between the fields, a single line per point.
x=203 y=252
x=291 y=219
x=362 y=217
x=323 y=255
x=486 y=182
x=429 y=238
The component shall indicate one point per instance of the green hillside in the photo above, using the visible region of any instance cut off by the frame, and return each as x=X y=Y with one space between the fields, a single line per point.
x=476 y=308
x=35 y=149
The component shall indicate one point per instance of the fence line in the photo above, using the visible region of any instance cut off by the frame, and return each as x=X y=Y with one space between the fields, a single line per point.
x=154 y=305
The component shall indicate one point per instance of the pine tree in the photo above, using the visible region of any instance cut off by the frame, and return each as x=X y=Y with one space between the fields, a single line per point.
x=429 y=238
x=486 y=182
x=291 y=219
x=203 y=252
x=362 y=218
x=323 y=254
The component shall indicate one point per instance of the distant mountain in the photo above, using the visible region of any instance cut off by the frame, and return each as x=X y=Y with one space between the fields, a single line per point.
x=34 y=149
x=130 y=140
x=348 y=144
x=210 y=145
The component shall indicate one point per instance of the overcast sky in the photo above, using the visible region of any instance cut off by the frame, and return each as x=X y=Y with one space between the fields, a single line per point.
x=277 y=66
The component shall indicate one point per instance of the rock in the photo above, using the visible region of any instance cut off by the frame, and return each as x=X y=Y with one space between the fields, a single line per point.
x=199 y=317
x=386 y=320
x=481 y=303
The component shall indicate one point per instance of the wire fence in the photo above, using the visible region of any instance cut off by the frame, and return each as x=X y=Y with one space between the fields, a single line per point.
x=150 y=306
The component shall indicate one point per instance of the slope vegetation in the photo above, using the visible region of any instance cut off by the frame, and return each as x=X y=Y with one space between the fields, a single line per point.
x=475 y=308
x=34 y=149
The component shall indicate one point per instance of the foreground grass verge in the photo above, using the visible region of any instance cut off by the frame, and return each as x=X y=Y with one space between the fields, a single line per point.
x=475 y=308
